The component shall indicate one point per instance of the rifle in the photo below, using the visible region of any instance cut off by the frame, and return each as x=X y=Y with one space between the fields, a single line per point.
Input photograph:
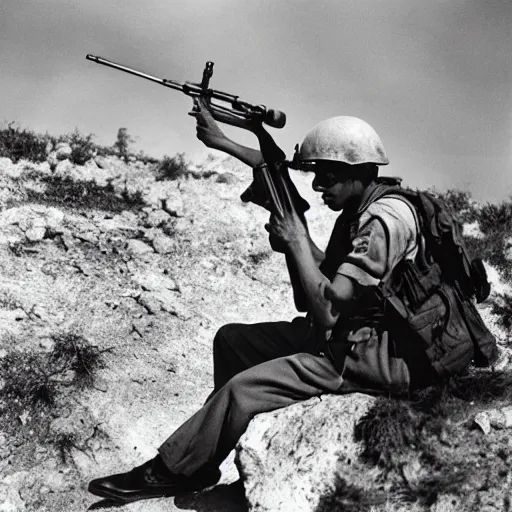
x=272 y=187
x=238 y=110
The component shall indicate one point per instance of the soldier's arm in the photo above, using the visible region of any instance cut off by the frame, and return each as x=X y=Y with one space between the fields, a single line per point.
x=213 y=137
x=299 y=294
x=325 y=300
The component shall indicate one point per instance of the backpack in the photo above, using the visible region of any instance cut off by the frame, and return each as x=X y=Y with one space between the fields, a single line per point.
x=431 y=299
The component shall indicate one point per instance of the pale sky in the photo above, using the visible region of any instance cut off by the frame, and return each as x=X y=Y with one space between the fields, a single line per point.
x=433 y=77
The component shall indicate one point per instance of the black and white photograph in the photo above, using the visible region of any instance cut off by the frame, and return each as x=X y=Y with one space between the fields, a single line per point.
x=256 y=256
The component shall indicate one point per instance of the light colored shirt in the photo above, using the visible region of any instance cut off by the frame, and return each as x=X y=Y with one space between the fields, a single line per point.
x=388 y=232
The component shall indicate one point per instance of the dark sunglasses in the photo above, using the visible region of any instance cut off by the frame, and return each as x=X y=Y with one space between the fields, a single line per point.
x=327 y=179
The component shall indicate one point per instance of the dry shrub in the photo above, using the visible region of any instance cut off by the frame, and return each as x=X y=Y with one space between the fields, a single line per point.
x=431 y=429
x=79 y=194
x=349 y=498
x=18 y=144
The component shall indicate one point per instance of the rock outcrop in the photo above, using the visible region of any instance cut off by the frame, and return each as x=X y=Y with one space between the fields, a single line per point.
x=288 y=459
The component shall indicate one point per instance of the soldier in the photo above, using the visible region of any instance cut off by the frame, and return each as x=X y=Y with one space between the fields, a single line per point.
x=337 y=348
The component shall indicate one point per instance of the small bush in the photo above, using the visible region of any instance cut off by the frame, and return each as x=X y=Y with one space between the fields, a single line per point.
x=27 y=380
x=31 y=380
x=64 y=444
x=172 y=168
x=259 y=257
x=146 y=159
x=18 y=144
x=74 y=352
x=64 y=191
x=483 y=388
x=387 y=431
x=82 y=147
x=425 y=435
x=349 y=498
x=7 y=301
x=495 y=222
x=459 y=202
x=495 y=217
x=123 y=143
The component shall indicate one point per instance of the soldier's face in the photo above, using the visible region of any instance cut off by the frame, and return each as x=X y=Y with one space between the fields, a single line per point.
x=337 y=189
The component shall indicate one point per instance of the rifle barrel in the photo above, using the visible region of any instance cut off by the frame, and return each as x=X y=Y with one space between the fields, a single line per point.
x=162 y=81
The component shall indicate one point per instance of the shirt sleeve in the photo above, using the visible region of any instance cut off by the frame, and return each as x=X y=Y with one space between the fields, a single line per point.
x=387 y=233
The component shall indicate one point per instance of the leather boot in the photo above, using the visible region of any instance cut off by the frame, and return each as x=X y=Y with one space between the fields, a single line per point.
x=151 y=480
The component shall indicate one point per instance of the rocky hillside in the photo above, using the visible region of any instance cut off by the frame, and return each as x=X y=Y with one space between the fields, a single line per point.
x=113 y=283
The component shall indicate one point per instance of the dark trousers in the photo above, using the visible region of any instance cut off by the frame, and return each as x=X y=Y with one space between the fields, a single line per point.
x=257 y=368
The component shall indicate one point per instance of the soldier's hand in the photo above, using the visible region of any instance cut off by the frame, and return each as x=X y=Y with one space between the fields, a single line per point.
x=285 y=231
x=207 y=129
x=276 y=243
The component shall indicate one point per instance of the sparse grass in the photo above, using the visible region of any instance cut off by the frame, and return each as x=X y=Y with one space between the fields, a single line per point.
x=32 y=381
x=444 y=479
x=258 y=257
x=349 y=498
x=64 y=442
x=27 y=381
x=7 y=301
x=76 y=353
x=387 y=432
x=18 y=144
x=431 y=433
x=84 y=195
x=483 y=387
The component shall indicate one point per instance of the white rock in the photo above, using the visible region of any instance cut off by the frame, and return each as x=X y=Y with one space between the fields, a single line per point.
x=37 y=222
x=153 y=281
x=482 y=420
x=19 y=314
x=63 y=151
x=497 y=418
x=150 y=302
x=101 y=161
x=161 y=190
x=54 y=218
x=290 y=457
x=182 y=225
x=10 y=499
x=508 y=249
x=11 y=169
x=5 y=162
x=164 y=244
x=35 y=234
x=501 y=418
x=65 y=169
x=138 y=248
x=167 y=301
x=87 y=236
x=68 y=240
x=174 y=206
x=472 y=229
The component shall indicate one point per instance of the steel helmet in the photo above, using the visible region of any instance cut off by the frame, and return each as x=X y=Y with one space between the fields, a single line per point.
x=342 y=139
